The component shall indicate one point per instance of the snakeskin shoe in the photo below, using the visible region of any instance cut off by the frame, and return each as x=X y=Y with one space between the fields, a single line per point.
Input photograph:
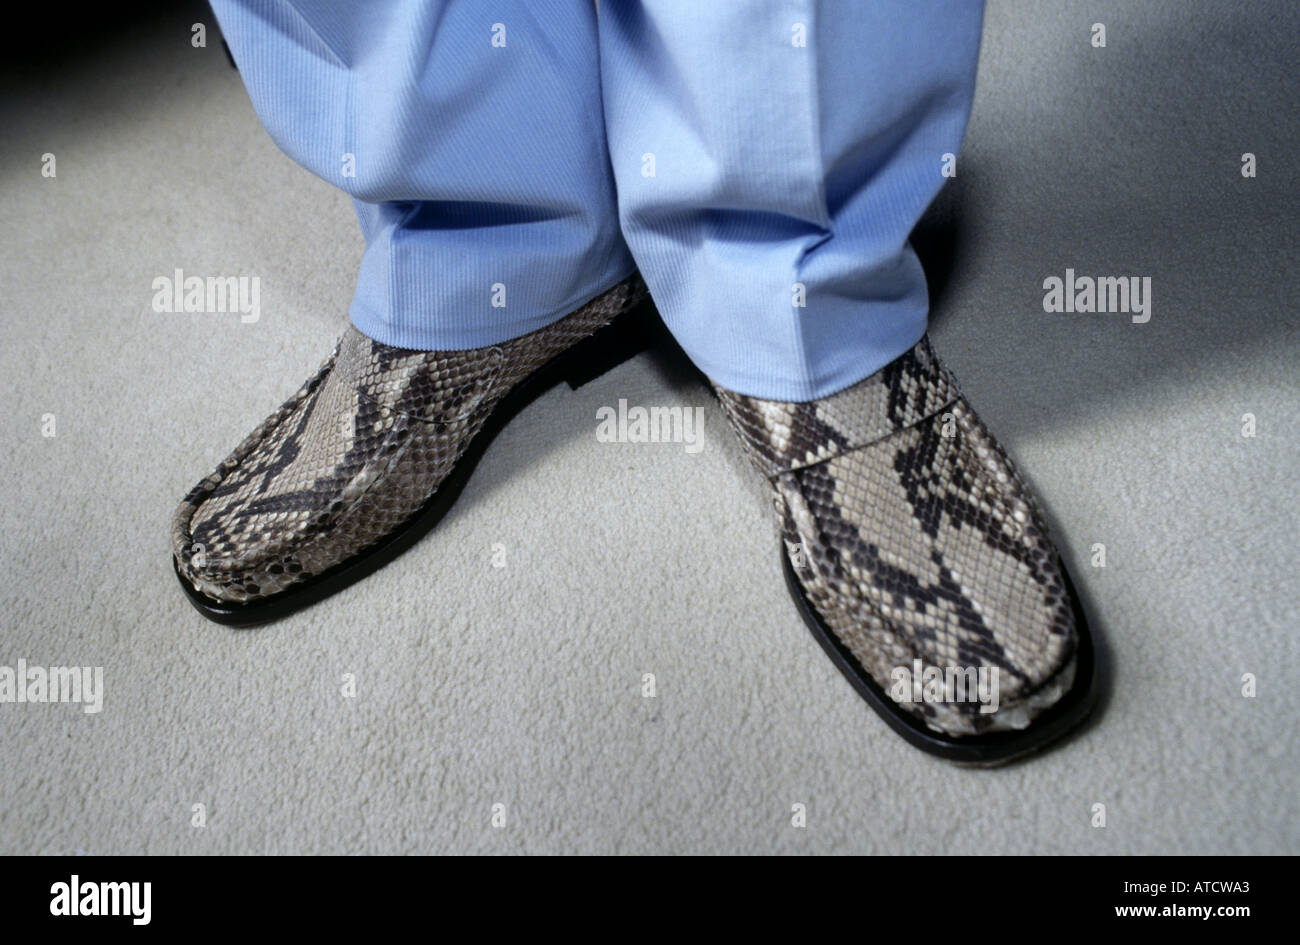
x=369 y=454
x=920 y=561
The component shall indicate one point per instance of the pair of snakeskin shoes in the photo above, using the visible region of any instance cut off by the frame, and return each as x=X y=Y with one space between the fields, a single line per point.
x=911 y=547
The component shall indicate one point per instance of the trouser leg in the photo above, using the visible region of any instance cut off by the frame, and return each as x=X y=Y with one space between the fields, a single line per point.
x=772 y=157
x=471 y=138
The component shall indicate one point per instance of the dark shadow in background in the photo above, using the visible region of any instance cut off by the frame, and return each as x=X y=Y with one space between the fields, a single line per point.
x=937 y=239
x=58 y=37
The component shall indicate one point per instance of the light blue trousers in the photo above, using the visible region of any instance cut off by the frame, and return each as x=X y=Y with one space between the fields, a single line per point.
x=762 y=162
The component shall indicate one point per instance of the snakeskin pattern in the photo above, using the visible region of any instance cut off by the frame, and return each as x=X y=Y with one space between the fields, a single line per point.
x=914 y=538
x=354 y=454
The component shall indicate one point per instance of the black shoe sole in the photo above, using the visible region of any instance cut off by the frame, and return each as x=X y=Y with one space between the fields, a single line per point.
x=981 y=751
x=626 y=336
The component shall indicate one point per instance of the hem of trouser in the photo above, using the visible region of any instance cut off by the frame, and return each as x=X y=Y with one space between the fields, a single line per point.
x=373 y=326
x=824 y=373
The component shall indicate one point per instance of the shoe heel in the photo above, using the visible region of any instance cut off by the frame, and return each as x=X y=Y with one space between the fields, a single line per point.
x=621 y=340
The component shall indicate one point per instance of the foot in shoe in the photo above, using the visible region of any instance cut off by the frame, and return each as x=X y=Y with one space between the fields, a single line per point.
x=914 y=539
x=353 y=458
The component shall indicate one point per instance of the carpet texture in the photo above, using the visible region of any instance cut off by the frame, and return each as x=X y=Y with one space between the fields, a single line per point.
x=503 y=660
